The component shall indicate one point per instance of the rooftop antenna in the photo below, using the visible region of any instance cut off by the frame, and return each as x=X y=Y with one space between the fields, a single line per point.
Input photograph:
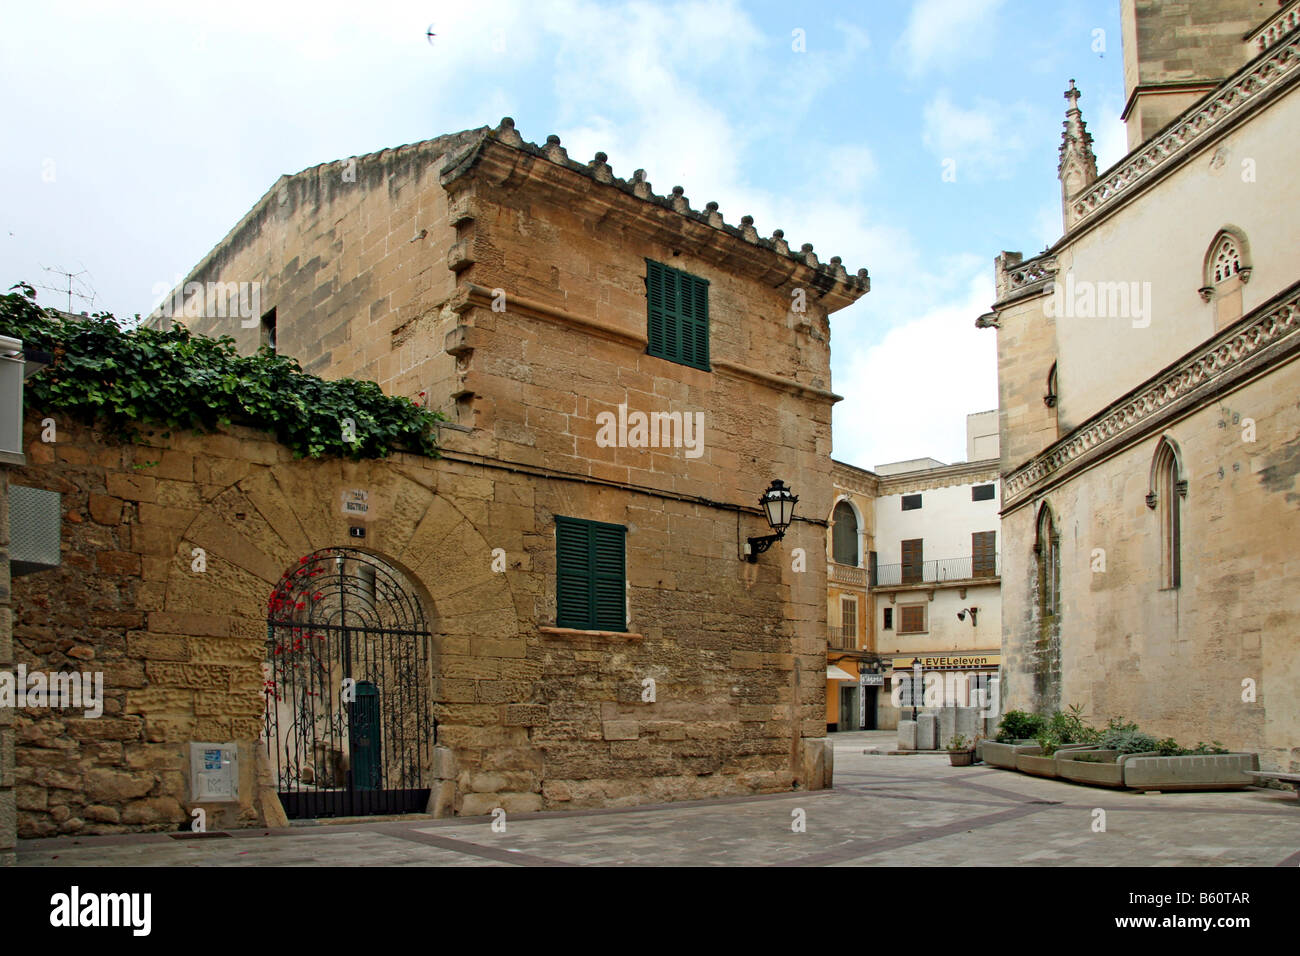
x=73 y=285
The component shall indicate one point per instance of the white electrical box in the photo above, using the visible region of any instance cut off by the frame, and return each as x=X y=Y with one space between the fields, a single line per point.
x=214 y=773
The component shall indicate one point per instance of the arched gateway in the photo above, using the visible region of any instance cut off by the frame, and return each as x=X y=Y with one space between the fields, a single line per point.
x=349 y=722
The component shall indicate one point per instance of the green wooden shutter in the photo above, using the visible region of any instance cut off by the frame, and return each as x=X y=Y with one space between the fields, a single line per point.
x=677 y=315
x=591 y=575
x=656 y=282
x=608 y=547
x=694 y=321
x=573 y=574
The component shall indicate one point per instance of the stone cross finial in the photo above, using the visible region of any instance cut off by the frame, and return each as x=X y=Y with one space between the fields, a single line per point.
x=1073 y=94
x=1077 y=168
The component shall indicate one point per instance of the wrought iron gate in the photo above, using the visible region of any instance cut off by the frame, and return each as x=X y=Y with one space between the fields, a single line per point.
x=349 y=722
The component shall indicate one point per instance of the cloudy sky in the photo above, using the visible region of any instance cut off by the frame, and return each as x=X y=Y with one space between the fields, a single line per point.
x=135 y=140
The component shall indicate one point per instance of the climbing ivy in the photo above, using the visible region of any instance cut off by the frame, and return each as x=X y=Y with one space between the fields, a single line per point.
x=124 y=379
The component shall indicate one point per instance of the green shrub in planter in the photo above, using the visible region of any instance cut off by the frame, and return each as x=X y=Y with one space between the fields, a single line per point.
x=1018 y=725
x=1125 y=738
x=1066 y=727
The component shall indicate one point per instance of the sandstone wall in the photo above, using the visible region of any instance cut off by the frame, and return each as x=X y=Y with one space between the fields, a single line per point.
x=1175 y=660
x=530 y=716
x=353 y=267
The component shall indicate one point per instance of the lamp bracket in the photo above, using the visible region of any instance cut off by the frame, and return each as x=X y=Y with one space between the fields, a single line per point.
x=758 y=545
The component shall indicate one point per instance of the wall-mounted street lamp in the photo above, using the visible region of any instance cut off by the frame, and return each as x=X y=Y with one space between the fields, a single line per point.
x=778 y=504
x=961 y=615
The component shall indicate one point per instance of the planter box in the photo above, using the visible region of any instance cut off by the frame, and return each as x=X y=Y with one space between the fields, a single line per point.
x=1036 y=764
x=1207 y=772
x=961 y=758
x=1096 y=767
x=1040 y=766
x=1004 y=755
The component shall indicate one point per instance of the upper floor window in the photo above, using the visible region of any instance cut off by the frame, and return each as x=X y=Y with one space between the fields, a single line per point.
x=911 y=502
x=268 y=332
x=590 y=575
x=913 y=560
x=1226 y=268
x=677 y=323
x=844 y=535
x=981 y=493
x=911 y=619
x=984 y=554
x=849 y=617
x=1226 y=259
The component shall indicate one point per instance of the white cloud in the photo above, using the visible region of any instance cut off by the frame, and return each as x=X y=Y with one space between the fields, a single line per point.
x=943 y=33
x=984 y=141
x=907 y=396
x=1109 y=135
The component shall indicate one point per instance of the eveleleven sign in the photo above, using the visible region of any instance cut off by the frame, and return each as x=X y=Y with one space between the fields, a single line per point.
x=941 y=662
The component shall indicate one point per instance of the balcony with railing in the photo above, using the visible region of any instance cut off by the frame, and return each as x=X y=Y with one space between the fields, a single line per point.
x=846 y=574
x=841 y=638
x=941 y=571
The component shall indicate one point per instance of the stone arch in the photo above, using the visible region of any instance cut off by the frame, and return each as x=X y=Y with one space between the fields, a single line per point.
x=252 y=528
x=860 y=541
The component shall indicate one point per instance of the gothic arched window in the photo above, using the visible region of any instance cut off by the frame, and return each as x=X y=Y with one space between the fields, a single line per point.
x=1047 y=549
x=1227 y=259
x=1167 y=490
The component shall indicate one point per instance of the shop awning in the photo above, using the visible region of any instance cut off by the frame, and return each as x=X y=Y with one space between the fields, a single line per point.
x=838 y=673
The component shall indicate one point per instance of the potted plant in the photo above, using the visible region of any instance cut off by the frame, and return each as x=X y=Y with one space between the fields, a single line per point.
x=961 y=752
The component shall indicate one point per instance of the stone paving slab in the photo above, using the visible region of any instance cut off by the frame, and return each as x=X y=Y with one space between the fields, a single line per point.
x=912 y=811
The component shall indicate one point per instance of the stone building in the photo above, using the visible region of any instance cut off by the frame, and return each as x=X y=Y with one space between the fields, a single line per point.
x=913 y=564
x=1148 y=397
x=852 y=675
x=557 y=612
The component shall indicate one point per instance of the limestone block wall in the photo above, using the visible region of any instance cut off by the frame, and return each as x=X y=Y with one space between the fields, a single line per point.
x=1175 y=660
x=1027 y=349
x=1103 y=353
x=1181 y=43
x=352 y=256
x=529 y=716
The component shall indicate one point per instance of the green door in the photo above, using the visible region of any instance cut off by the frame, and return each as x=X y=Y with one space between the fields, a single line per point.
x=364 y=736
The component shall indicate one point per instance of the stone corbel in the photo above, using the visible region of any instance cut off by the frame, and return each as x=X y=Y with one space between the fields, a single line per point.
x=1207 y=293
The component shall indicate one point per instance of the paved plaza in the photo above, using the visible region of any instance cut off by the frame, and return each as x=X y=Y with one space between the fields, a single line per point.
x=885 y=810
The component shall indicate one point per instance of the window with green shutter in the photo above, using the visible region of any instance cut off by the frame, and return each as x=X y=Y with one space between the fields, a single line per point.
x=590 y=580
x=677 y=315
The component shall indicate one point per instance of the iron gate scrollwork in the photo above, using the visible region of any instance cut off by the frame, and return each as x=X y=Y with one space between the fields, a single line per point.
x=349 y=717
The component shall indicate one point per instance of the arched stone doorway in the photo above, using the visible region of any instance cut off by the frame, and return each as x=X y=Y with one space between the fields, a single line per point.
x=349 y=725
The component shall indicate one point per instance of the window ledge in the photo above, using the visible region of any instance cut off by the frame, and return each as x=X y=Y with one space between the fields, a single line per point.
x=578 y=632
